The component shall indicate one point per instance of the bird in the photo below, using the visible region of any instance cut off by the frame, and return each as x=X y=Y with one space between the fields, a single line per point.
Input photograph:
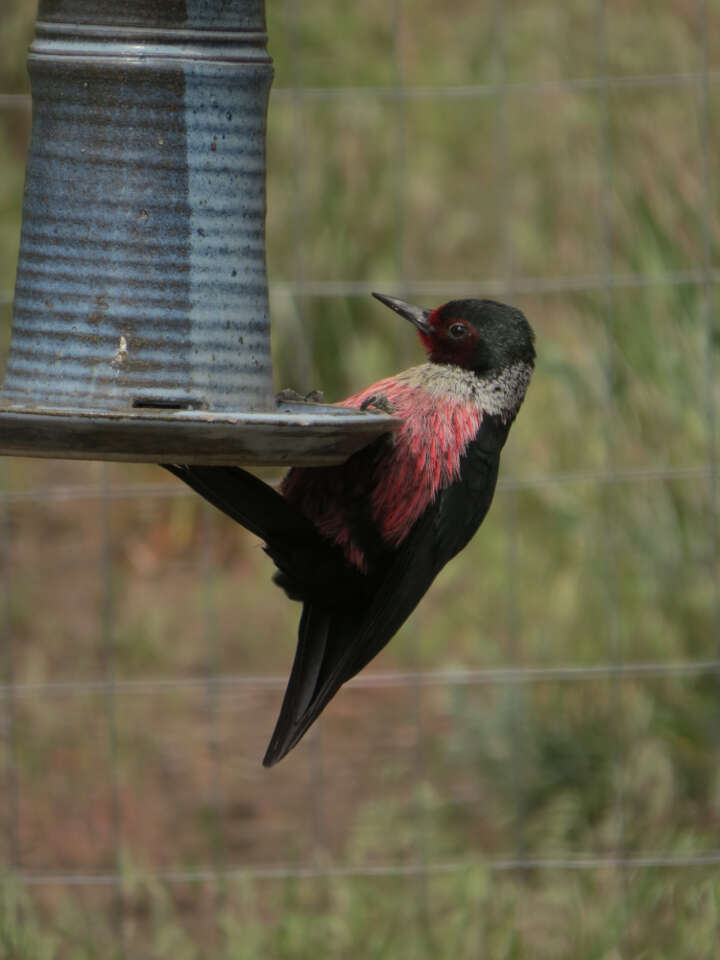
x=360 y=543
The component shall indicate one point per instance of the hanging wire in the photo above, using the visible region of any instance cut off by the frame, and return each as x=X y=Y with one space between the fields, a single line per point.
x=106 y=636
x=8 y=718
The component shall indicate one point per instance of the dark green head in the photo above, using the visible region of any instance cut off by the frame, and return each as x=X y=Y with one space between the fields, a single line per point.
x=480 y=335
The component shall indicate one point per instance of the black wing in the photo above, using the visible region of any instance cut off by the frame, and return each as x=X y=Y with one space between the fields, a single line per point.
x=347 y=617
x=340 y=643
x=307 y=563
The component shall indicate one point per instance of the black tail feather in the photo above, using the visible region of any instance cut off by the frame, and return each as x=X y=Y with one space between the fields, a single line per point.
x=301 y=688
x=308 y=564
x=347 y=616
x=351 y=636
x=246 y=499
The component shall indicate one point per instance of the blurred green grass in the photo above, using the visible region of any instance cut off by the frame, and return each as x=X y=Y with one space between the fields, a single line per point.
x=588 y=567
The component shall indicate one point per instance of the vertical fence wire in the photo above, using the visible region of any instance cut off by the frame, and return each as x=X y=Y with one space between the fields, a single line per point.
x=518 y=701
x=213 y=711
x=708 y=308
x=108 y=655
x=609 y=544
x=315 y=797
x=708 y=320
x=9 y=715
x=400 y=164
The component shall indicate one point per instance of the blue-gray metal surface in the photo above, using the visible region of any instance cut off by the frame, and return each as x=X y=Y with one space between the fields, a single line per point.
x=310 y=434
x=141 y=284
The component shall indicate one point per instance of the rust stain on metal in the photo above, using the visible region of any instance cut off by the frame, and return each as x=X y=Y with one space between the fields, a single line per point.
x=122 y=354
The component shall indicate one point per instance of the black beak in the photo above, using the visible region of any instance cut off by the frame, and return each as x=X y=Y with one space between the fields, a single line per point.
x=416 y=315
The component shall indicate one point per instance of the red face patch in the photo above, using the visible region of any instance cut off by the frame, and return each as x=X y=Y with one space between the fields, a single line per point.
x=453 y=340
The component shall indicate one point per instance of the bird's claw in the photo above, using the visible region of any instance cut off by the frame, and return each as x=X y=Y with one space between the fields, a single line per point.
x=292 y=396
x=379 y=402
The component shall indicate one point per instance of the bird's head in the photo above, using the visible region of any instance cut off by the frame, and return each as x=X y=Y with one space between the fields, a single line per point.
x=480 y=335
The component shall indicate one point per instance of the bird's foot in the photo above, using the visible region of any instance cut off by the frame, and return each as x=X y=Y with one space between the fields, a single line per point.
x=379 y=404
x=292 y=396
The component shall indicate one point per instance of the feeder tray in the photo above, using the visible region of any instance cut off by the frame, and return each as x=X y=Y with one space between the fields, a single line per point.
x=141 y=326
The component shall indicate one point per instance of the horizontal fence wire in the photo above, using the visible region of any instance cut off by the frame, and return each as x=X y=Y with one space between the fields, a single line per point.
x=288 y=872
x=142 y=491
x=375 y=680
x=466 y=91
x=493 y=286
x=528 y=286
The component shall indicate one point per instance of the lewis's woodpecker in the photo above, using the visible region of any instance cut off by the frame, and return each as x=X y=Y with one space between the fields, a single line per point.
x=360 y=543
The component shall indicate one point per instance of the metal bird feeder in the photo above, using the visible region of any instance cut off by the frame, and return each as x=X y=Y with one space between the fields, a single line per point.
x=141 y=326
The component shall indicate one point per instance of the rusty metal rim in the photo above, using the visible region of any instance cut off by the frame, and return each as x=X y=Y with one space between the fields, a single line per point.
x=96 y=44
x=61 y=28
x=303 y=434
x=133 y=59
x=162 y=57
x=301 y=414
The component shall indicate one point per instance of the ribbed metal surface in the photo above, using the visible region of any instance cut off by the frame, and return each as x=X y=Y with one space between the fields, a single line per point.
x=141 y=275
x=198 y=14
x=226 y=189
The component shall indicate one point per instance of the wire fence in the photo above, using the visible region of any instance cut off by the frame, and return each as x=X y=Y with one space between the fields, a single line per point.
x=613 y=665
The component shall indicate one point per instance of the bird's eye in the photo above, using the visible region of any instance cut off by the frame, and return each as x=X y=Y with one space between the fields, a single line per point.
x=457 y=330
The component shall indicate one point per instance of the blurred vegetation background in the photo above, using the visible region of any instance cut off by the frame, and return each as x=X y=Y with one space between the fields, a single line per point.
x=531 y=769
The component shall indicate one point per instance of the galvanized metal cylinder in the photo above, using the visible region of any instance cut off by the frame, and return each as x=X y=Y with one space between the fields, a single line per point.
x=141 y=277
x=141 y=328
